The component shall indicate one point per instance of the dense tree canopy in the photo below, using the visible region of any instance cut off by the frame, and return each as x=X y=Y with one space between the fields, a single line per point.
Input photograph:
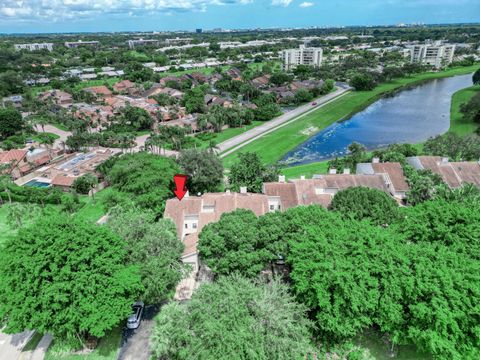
x=233 y=318
x=365 y=203
x=152 y=246
x=250 y=172
x=10 y=122
x=66 y=277
x=232 y=244
x=148 y=177
x=203 y=168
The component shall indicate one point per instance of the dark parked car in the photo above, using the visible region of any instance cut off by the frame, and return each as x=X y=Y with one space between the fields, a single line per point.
x=134 y=320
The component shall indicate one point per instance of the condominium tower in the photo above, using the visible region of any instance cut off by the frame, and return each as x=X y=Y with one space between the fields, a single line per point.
x=302 y=56
x=436 y=54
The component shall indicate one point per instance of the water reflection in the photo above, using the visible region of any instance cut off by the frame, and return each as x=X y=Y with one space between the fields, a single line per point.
x=410 y=116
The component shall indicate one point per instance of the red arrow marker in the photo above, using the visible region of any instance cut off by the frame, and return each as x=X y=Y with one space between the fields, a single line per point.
x=180 y=183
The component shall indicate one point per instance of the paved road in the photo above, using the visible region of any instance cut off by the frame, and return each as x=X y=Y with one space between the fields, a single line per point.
x=136 y=343
x=54 y=130
x=11 y=345
x=233 y=144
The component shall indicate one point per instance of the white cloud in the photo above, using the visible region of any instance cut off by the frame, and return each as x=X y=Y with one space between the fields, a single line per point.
x=57 y=10
x=306 y=4
x=283 y=3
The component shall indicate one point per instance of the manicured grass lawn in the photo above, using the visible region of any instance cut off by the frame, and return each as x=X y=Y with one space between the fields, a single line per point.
x=273 y=146
x=308 y=170
x=93 y=209
x=55 y=136
x=457 y=124
x=107 y=349
x=227 y=134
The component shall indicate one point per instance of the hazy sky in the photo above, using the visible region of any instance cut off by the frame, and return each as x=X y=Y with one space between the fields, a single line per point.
x=118 y=15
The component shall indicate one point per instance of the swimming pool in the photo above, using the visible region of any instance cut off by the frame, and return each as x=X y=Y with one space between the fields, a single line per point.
x=36 y=183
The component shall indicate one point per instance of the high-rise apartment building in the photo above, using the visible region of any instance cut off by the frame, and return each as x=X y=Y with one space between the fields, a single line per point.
x=35 y=46
x=435 y=54
x=302 y=56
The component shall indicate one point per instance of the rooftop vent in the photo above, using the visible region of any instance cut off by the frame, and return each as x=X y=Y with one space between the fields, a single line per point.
x=444 y=160
x=332 y=171
x=243 y=189
x=375 y=160
x=281 y=178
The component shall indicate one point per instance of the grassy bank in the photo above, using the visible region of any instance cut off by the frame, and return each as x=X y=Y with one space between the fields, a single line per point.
x=273 y=146
x=457 y=124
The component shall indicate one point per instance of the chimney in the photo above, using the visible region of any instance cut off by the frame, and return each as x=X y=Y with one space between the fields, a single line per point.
x=375 y=160
x=243 y=189
x=346 y=171
x=227 y=192
x=187 y=194
x=281 y=178
x=332 y=171
x=302 y=177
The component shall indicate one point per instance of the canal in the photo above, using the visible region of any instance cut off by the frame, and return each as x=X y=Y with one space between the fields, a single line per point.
x=411 y=115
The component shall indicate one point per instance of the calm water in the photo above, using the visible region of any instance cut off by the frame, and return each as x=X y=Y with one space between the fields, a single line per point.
x=410 y=116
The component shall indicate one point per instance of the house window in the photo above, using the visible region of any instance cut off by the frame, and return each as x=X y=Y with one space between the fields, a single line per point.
x=194 y=225
x=186 y=226
x=272 y=207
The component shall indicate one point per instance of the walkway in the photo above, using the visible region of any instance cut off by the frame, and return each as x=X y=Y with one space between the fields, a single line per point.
x=233 y=144
x=11 y=345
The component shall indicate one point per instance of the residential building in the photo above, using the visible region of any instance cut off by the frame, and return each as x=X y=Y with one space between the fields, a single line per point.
x=76 y=44
x=21 y=161
x=194 y=212
x=125 y=86
x=435 y=54
x=100 y=92
x=142 y=42
x=34 y=46
x=58 y=97
x=392 y=173
x=454 y=174
x=302 y=56
x=15 y=100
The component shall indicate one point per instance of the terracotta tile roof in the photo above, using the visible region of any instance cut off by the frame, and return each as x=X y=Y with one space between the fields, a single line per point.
x=99 y=90
x=123 y=85
x=12 y=155
x=221 y=203
x=468 y=172
x=62 y=180
x=395 y=173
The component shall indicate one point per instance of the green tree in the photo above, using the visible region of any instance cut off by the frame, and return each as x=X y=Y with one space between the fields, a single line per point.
x=476 y=77
x=146 y=177
x=250 y=172
x=85 y=183
x=362 y=82
x=66 y=277
x=232 y=244
x=193 y=100
x=365 y=203
x=11 y=122
x=233 y=318
x=204 y=170
x=303 y=95
x=152 y=246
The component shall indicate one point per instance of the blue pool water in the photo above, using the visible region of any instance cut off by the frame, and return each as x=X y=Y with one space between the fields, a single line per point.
x=409 y=116
x=36 y=183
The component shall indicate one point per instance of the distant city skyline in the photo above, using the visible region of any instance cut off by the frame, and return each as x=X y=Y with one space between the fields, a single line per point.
x=34 y=16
